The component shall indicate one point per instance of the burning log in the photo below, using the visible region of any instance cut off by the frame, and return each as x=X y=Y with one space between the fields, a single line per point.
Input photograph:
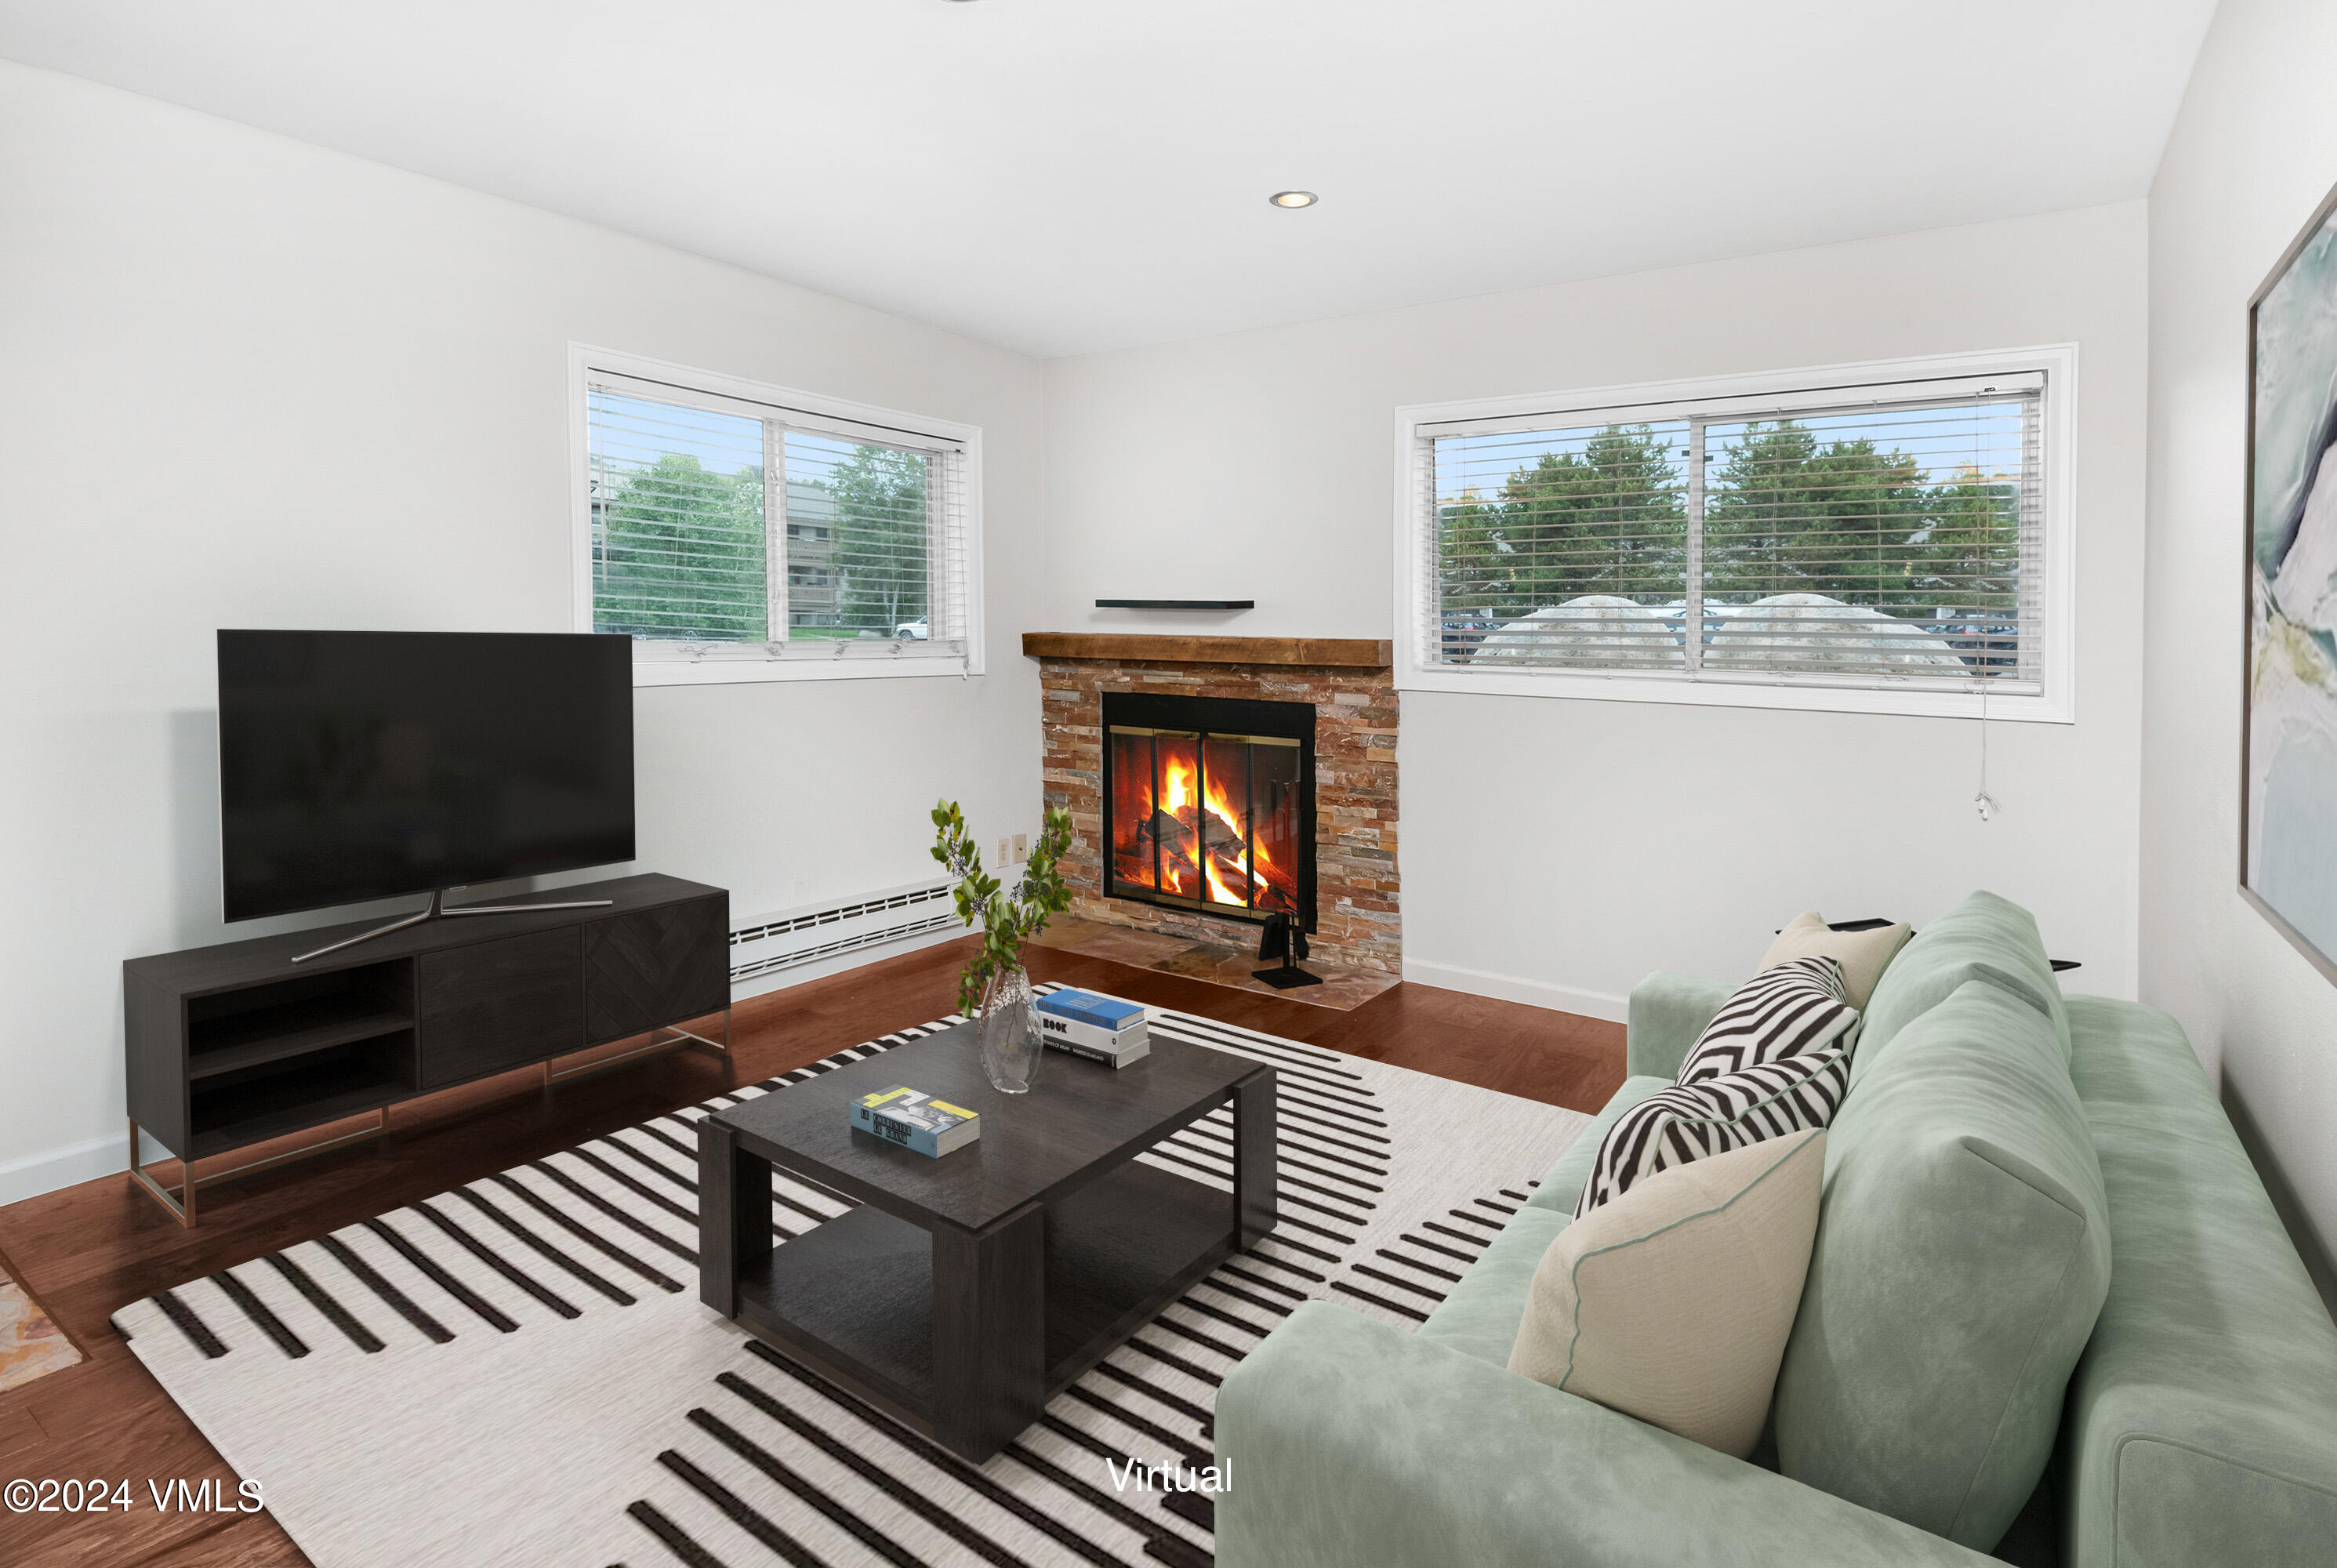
x=1168 y=830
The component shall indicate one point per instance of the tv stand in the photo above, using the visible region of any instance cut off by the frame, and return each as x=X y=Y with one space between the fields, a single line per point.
x=438 y=911
x=230 y=1046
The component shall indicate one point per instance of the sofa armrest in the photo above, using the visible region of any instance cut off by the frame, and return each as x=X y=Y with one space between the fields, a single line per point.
x=1355 y=1444
x=1667 y=1012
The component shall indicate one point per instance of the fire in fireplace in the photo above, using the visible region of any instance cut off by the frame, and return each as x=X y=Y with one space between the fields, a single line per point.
x=1209 y=804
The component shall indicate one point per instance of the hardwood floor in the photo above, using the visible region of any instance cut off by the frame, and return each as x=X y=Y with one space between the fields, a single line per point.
x=87 y=1250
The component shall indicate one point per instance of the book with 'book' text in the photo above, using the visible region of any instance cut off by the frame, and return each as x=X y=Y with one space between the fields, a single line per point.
x=1108 y=1014
x=1071 y=1026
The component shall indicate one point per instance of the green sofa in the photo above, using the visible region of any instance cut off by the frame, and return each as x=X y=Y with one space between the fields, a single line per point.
x=2198 y=1426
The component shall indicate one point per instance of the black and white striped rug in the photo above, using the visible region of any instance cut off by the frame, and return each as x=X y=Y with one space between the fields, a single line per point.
x=518 y=1371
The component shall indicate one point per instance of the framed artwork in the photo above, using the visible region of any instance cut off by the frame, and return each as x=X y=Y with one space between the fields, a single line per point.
x=2288 y=714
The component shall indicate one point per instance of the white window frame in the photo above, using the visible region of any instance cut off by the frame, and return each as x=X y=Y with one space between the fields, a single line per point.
x=1830 y=387
x=673 y=664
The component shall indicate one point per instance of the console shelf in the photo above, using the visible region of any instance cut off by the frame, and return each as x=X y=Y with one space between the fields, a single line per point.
x=294 y=1029
x=313 y=1091
x=234 y=1045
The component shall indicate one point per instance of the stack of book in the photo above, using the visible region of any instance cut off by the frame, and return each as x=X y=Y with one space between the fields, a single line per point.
x=915 y=1120
x=1101 y=1028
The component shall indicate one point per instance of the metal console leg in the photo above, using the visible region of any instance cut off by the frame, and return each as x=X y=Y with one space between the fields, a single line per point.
x=182 y=1207
x=700 y=1042
x=183 y=1212
x=664 y=1037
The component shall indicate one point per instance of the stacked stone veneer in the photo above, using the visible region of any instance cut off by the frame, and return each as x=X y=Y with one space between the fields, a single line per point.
x=1358 y=922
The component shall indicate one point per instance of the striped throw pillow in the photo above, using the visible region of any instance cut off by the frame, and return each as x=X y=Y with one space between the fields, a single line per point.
x=1798 y=1007
x=1774 y=1061
x=1714 y=1115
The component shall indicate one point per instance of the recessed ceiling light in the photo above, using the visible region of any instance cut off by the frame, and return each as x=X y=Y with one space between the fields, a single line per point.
x=1293 y=198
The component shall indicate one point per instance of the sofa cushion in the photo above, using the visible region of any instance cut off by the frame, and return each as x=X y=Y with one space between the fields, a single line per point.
x=1962 y=1254
x=2199 y=1431
x=1624 y=1308
x=1984 y=937
x=1862 y=954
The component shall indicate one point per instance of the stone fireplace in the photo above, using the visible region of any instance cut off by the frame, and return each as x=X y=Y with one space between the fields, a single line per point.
x=1213 y=781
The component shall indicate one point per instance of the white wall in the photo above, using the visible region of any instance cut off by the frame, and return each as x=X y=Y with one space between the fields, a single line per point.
x=245 y=381
x=1559 y=849
x=2252 y=154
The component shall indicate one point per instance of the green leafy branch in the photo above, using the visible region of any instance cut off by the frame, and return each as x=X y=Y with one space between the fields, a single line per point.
x=1008 y=919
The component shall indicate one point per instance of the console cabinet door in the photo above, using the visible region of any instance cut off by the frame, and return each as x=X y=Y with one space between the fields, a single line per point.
x=655 y=966
x=492 y=1005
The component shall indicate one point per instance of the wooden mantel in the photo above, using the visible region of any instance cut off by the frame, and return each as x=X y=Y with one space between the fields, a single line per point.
x=1122 y=647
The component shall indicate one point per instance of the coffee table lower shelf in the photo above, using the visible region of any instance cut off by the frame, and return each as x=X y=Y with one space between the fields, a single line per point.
x=853 y=1298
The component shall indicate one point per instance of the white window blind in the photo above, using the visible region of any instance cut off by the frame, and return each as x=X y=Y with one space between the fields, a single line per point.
x=724 y=528
x=1888 y=536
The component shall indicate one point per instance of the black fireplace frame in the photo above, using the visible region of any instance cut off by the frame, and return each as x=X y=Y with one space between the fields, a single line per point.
x=1226 y=716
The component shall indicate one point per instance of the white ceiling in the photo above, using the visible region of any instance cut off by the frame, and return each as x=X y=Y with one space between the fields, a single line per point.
x=1065 y=175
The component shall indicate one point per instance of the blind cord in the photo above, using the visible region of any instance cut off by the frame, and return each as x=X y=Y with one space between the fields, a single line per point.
x=1982 y=802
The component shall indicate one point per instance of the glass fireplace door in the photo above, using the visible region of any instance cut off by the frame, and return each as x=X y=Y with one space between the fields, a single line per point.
x=1206 y=820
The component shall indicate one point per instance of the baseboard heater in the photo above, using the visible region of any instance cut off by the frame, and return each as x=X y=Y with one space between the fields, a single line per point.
x=815 y=931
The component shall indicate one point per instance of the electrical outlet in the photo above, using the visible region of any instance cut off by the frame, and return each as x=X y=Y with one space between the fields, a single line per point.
x=1022 y=848
x=1002 y=861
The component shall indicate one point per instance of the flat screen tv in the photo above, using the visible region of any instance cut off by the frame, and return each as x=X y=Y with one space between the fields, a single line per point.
x=357 y=765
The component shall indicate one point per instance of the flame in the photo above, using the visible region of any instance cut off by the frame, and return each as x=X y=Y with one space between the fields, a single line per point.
x=1225 y=870
x=1179 y=791
x=1176 y=784
x=1214 y=800
x=1218 y=889
x=1221 y=810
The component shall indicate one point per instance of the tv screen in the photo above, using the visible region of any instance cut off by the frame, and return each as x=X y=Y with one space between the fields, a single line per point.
x=357 y=765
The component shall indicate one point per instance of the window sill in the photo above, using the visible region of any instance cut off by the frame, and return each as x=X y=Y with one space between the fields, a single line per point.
x=734 y=671
x=2047 y=707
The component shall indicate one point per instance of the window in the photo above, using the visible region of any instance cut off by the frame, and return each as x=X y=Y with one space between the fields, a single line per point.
x=1871 y=538
x=742 y=532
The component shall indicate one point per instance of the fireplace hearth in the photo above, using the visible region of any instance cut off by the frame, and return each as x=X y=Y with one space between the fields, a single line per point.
x=1209 y=804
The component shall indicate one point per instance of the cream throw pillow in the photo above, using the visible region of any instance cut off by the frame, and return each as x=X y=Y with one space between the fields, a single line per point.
x=1673 y=1302
x=1862 y=954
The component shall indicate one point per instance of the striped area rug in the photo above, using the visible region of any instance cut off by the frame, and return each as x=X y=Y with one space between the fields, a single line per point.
x=517 y=1371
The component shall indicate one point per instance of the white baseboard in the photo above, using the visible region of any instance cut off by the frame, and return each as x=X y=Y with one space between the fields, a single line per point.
x=1510 y=988
x=819 y=968
x=69 y=1166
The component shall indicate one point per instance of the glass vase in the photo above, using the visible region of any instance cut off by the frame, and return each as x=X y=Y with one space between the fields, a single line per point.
x=1008 y=1029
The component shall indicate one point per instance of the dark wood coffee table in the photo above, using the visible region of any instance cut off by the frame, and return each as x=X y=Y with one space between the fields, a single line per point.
x=966 y=1291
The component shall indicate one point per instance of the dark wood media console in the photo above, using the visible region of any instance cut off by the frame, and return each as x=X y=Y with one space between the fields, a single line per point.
x=234 y=1045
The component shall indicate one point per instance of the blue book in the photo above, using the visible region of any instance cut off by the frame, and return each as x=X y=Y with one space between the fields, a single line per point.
x=915 y=1120
x=1093 y=1009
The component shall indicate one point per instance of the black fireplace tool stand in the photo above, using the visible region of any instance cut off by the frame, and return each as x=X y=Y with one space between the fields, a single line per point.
x=1285 y=939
